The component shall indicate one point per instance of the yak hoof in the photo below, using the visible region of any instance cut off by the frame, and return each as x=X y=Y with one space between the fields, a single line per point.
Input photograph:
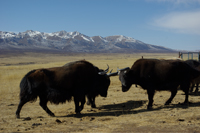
x=166 y=103
x=17 y=116
x=78 y=113
x=93 y=106
x=186 y=103
x=52 y=114
x=149 y=108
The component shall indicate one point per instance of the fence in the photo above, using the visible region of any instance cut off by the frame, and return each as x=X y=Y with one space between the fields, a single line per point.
x=190 y=55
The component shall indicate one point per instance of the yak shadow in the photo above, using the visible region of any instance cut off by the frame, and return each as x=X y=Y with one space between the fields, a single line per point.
x=112 y=109
x=194 y=93
x=127 y=108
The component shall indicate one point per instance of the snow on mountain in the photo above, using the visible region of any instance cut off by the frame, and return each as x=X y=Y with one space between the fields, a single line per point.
x=126 y=39
x=7 y=34
x=73 y=42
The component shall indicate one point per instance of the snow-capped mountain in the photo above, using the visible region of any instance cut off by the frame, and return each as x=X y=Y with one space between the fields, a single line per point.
x=73 y=42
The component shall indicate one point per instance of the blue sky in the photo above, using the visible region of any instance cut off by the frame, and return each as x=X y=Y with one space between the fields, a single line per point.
x=170 y=23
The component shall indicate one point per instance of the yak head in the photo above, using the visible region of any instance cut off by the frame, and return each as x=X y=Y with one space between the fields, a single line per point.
x=125 y=78
x=104 y=81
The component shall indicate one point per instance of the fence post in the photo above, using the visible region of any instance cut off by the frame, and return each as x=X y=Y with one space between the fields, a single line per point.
x=199 y=56
x=192 y=56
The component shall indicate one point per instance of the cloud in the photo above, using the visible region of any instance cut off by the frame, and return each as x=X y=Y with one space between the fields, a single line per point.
x=184 y=22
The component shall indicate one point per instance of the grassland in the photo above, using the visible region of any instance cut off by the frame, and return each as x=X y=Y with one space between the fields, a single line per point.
x=119 y=112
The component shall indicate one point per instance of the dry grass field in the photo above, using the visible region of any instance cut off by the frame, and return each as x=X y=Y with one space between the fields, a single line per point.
x=119 y=112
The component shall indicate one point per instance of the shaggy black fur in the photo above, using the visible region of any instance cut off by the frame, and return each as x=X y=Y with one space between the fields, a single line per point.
x=58 y=85
x=153 y=74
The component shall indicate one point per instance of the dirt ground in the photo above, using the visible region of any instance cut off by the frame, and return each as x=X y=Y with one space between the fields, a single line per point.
x=119 y=112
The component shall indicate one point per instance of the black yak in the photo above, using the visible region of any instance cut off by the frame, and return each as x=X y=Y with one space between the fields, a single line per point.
x=154 y=74
x=60 y=84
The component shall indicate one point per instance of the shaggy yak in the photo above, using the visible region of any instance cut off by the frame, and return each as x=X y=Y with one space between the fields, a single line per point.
x=196 y=65
x=59 y=84
x=154 y=74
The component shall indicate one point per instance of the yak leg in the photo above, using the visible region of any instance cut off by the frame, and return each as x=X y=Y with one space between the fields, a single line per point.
x=186 y=97
x=185 y=87
x=91 y=100
x=21 y=103
x=76 y=101
x=197 y=85
x=93 y=103
x=150 y=93
x=173 y=94
x=82 y=103
x=43 y=104
x=192 y=87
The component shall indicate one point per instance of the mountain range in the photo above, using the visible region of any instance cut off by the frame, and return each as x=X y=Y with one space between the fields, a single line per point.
x=74 y=42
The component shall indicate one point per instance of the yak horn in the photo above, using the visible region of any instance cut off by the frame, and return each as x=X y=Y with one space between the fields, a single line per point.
x=112 y=74
x=123 y=69
x=104 y=72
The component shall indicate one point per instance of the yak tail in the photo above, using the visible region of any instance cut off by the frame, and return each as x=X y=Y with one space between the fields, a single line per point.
x=26 y=92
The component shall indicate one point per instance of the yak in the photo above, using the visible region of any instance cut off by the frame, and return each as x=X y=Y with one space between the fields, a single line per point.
x=59 y=84
x=155 y=74
x=196 y=65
